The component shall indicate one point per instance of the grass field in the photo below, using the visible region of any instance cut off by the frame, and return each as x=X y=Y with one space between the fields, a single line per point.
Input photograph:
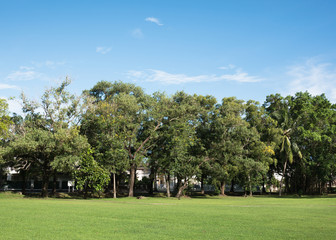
x=161 y=218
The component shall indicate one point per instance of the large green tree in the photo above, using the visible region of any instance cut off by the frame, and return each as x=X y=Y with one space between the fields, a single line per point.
x=103 y=126
x=5 y=120
x=307 y=124
x=90 y=175
x=49 y=136
x=314 y=135
x=174 y=152
x=226 y=147
x=137 y=115
x=270 y=135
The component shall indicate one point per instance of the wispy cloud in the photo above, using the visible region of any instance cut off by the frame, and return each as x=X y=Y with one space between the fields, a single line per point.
x=103 y=50
x=36 y=71
x=137 y=33
x=154 y=20
x=152 y=75
x=228 y=67
x=23 y=75
x=8 y=86
x=47 y=63
x=315 y=77
x=26 y=68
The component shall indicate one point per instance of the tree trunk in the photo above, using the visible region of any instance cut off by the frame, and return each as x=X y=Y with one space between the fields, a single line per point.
x=250 y=185
x=222 y=188
x=118 y=177
x=86 y=190
x=45 y=182
x=283 y=174
x=54 y=185
x=202 y=184
x=287 y=189
x=304 y=183
x=155 y=183
x=132 y=180
x=263 y=190
x=151 y=180
x=232 y=186
x=179 y=183
x=114 y=186
x=24 y=181
x=181 y=188
x=168 y=185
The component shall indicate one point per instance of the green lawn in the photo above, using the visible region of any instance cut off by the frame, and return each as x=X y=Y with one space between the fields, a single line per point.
x=161 y=218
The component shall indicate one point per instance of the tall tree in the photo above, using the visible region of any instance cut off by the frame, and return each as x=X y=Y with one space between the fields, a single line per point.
x=203 y=147
x=287 y=148
x=185 y=162
x=5 y=123
x=5 y=120
x=270 y=134
x=139 y=117
x=226 y=147
x=314 y=136
x=50 y=134
x=89 y=175
x=102 y=126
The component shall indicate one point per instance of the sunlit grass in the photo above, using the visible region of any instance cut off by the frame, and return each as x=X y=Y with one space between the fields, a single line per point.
x=161 y=218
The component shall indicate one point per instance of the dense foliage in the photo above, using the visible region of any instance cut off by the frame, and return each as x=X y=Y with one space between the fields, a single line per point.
x=289 y=142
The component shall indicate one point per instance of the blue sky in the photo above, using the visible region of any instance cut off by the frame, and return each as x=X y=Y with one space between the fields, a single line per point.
x=248 y=49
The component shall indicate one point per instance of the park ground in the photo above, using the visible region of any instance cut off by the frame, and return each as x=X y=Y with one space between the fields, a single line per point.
x=161 y=218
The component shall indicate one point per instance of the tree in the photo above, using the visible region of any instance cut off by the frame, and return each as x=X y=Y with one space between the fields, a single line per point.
x=203 y=146
x=5 y=123
x=287 y=148
x=172 y=152
x=50 y=138
x=5 y=120
x=255 y=157
x=102 y=127
x=226 y=147
x=281 y=109
x=270 y=134
x=89 y=175
x=139 y=117
x=314 y=133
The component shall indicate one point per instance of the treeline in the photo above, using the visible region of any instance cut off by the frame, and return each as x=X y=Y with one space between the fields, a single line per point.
x=117 y=127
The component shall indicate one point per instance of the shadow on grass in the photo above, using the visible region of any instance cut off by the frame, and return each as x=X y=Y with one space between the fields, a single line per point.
x=296 y=196
x=193 y=195
x=198 y=195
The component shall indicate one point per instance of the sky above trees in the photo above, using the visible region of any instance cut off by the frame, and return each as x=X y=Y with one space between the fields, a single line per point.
x=247 y=49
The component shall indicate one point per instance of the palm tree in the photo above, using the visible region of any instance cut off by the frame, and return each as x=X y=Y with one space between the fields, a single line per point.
x=287 y=147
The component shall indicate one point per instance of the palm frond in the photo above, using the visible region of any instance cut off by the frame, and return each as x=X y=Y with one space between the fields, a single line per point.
x=290 y=156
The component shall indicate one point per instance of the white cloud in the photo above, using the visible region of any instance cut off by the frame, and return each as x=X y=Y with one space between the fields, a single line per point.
x=228 y=67
x=137 y=33
x=8 y=86
x=154 y=20
x=23 y=75
x=37 y=71
x=314 y=77
x=241 y=76
x=47 y=63
x=26 y=68
x=52 y=64
x=103 y=50
x=152 y=75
